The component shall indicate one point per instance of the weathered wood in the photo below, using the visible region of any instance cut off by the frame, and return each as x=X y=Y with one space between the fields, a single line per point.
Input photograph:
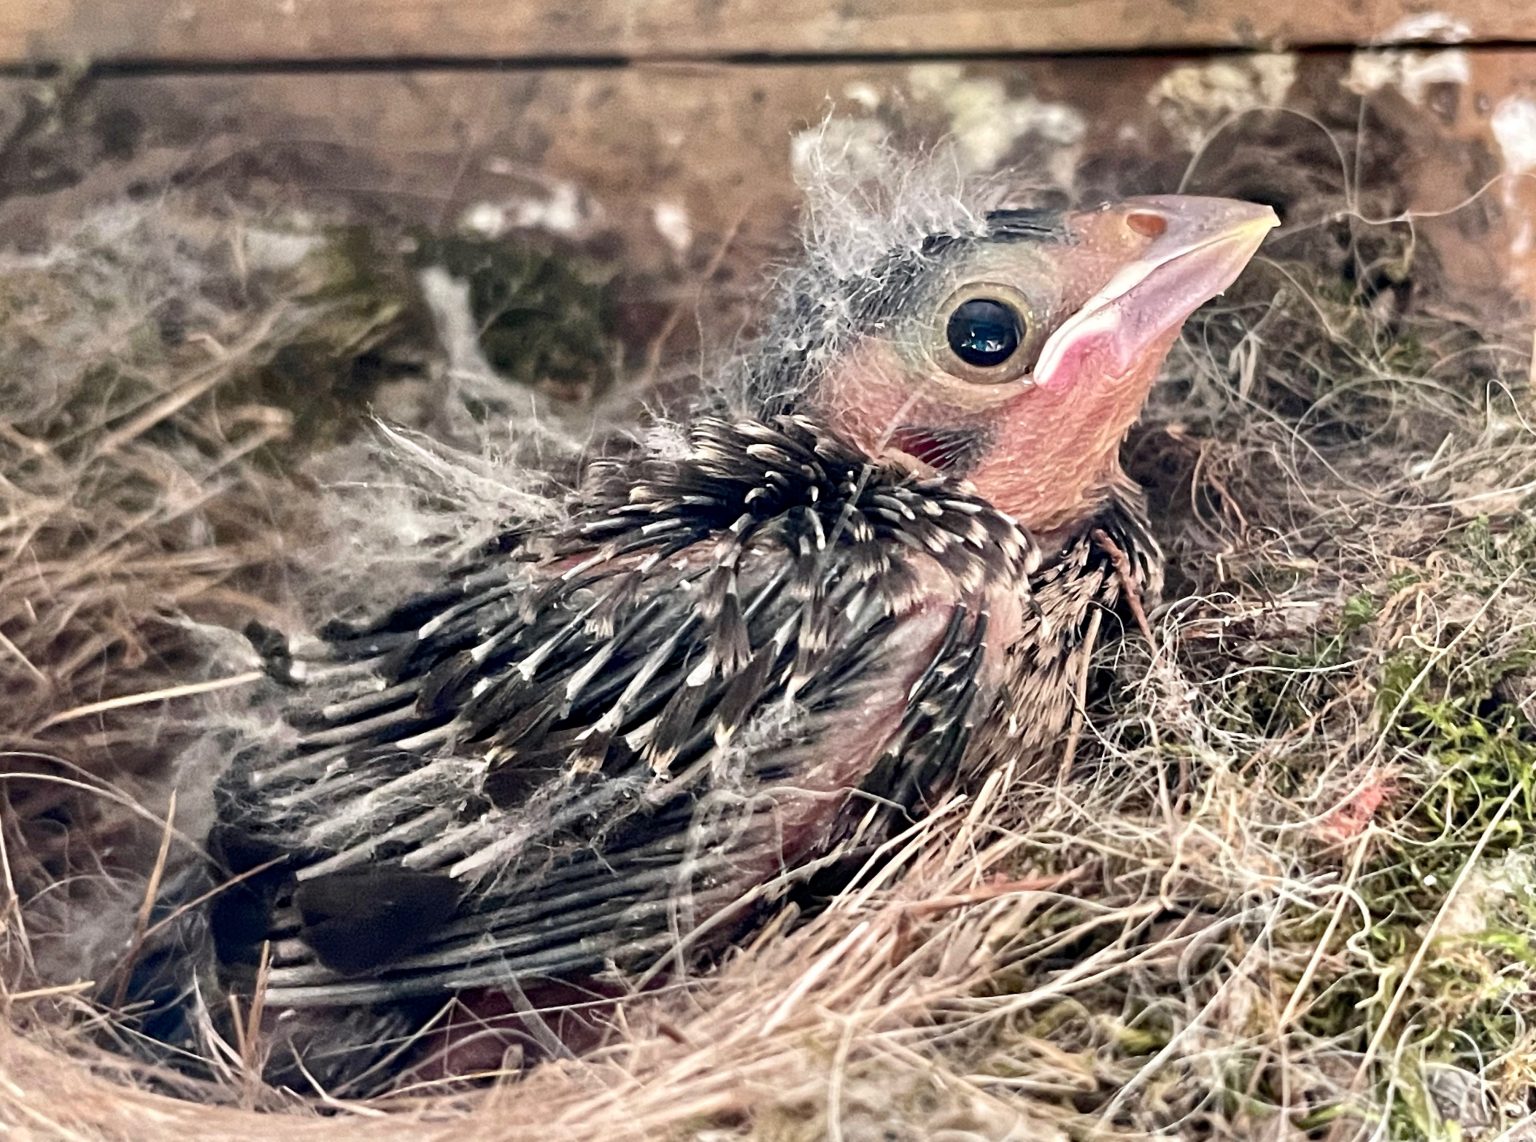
x=660 y=167
x=265 y=30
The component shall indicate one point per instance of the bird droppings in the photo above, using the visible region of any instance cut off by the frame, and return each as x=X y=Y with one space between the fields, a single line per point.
x=1282 y=894
x=457 y=331
x=986 y=121
x=671 y=221
x=537 y=318
x=1513 y=124
x=865 y=96
x=1193 y=100
x=1413 y=73
x=487 y=219
x=1426 y=27
x=562 y=210
x=1514 y=128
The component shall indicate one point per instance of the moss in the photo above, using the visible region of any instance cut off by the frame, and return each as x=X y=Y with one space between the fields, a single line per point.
x=1468 y=792
x=1462 y=792
x=542 y=320
x=359 y=321
x=363 y=321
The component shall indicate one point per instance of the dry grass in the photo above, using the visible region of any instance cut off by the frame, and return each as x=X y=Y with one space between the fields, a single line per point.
x=1280 y=891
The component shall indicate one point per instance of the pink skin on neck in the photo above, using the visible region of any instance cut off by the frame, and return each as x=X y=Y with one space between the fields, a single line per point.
x=1051 y=450
x=1058 y=448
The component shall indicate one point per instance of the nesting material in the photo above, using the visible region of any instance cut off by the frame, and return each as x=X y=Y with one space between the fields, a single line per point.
x=1275 y=889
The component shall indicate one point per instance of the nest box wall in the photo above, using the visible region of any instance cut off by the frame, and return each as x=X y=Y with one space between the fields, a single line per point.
x=663 y=137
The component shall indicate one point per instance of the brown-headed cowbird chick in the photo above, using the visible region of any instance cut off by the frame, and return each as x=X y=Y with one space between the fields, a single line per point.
x=858 y=579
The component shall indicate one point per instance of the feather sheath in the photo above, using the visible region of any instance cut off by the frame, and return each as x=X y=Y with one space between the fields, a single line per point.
x=599 y=747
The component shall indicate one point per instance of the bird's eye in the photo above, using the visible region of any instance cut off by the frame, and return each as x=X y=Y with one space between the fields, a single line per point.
x=984 y=332
x=988 y=335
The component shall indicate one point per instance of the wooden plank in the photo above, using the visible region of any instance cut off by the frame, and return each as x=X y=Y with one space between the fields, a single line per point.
x=659 y=168
x=247 y=31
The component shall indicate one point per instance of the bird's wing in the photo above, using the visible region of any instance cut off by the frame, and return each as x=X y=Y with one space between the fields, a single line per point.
x=553 y=767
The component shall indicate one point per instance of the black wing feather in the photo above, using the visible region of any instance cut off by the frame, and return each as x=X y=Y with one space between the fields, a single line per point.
x=574 y=712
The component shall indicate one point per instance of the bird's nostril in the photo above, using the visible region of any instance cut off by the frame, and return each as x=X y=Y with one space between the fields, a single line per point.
x=1146 y=223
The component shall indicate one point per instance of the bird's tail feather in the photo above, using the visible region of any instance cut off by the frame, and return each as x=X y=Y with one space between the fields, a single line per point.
x=175 y=1009
x=160 y=999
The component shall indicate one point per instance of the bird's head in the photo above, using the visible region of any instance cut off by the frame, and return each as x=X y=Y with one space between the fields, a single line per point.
x=1017 y=357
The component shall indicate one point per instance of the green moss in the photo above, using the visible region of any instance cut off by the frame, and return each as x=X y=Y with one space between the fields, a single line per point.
x=1462 y=793
x=541 y=320
x=364 y=322
x=1468 y=796
x=360 y=321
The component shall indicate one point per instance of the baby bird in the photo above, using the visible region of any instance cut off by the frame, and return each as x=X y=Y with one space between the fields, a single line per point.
x=860 y=576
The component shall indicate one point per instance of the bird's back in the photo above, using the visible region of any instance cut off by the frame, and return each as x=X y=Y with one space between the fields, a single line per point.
x=603 y=745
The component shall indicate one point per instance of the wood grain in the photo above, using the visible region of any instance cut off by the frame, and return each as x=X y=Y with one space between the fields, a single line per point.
x=668 y=170
x=253 y=31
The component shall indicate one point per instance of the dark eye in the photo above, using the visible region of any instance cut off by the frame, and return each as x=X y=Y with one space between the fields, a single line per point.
x=984 y=332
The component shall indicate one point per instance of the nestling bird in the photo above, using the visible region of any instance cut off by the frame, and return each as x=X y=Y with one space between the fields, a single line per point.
x=859 y=576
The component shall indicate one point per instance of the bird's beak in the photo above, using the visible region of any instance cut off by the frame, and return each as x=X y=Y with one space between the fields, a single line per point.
x=1191 y=249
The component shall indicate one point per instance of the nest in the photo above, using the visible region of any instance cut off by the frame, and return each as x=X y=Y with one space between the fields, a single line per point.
x=1279 y=887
